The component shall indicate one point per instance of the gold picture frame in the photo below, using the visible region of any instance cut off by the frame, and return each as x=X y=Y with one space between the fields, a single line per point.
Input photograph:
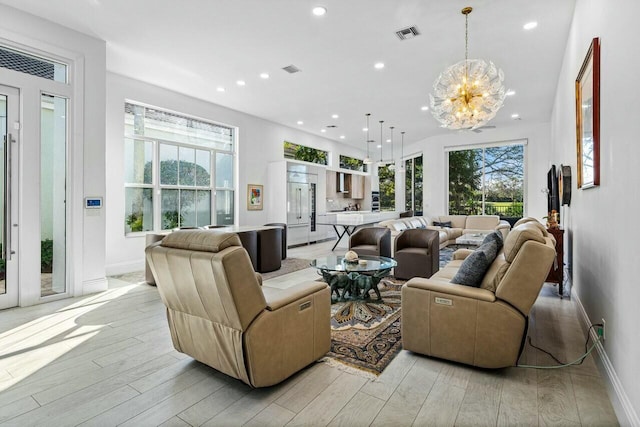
x=588 y=118
x=255 y=197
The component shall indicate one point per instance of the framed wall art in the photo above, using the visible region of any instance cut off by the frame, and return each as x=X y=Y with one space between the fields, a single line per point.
x=588 y=118
x=254 y=197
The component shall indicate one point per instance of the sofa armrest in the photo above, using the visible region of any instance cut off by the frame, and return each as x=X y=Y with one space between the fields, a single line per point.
x=461 y=254
x=503 y=225
x=451 y=289
x=278 y=298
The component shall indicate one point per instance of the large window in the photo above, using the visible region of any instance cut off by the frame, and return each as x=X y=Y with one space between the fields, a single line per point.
x=487 y=181
x=387 y=181
x=186 y=162
x=413 y=185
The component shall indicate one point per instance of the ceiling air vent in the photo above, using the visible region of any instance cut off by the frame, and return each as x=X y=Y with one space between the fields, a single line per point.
x=408 y=33
x=291 y=69
x=332 y=126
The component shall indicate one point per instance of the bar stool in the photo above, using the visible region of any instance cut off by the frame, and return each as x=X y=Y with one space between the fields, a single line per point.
x=269 y=250
x=249 y=240
x=284 y=236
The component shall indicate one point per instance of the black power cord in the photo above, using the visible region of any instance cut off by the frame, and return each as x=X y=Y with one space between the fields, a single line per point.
x=561 y=364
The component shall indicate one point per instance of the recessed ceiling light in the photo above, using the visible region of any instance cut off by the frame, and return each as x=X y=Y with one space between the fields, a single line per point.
x=424 y=108
x=530 y=25
x=365 y=129
x=264 y=75
x=334 y=116
x=341 y=136
x=515 y=115
x=379 y=146
x=510 y=92
x=220 y=89
x=323 y=130
x=319 y=10
x=379 y=65
x=241 y=83
x=388 y=140
x=300 y=122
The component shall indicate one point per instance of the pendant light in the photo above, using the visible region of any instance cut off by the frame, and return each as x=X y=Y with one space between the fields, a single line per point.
x=381 y=162
x=402 y=170
x=392 y=166
x=367 y=160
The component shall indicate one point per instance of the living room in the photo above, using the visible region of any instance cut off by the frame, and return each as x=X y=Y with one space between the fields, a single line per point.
x=602 y=281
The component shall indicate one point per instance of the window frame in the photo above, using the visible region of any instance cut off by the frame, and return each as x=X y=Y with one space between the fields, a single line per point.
x=524 y=142
x=157 y=187
x=413 y=158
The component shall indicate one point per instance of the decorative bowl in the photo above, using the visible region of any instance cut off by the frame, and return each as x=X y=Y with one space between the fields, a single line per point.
x=351 y=257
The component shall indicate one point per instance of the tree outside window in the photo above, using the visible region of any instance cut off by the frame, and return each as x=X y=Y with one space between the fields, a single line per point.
x=413 y=185
x=387 y=181
x=487 y=181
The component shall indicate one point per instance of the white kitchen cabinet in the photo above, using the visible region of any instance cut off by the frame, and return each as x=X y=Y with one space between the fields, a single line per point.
x=357 y=187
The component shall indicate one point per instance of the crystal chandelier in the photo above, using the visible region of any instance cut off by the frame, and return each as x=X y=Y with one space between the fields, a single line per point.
x=467 y=94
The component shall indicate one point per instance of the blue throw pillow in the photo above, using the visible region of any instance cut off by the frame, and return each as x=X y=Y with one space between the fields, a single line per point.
x=496 y=236
x=474 y=266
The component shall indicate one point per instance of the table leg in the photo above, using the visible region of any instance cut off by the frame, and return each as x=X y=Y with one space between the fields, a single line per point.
x=340 y=235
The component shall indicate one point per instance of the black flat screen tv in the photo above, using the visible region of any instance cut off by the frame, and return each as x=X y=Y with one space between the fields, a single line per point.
x=553 y=197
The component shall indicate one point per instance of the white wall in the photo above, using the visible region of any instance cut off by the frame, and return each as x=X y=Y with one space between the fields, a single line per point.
x=86 y=166
x=435 y=160
x=601 y=220
x=259 y=142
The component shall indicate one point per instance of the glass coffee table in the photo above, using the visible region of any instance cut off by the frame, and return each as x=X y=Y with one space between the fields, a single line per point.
x=353 y=278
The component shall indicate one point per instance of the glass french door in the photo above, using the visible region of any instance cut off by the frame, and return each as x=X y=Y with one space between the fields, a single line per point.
x=53 y=194
x=9 y=129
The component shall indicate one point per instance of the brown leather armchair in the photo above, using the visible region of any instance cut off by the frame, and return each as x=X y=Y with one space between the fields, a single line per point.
x=417 y=252
x=482 y=326
x=220 y=315
x=374 y=241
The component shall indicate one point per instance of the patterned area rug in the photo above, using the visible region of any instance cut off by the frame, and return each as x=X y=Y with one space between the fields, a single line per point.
x=365 y=334
x=289 y=265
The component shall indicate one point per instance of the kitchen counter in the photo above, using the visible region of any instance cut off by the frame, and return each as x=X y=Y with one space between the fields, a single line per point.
x=364 y=217
x=349 y=221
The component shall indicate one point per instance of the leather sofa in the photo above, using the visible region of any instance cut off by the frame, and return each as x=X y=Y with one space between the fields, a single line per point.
x=483 y=326
x=219 y=314
x=460 y=224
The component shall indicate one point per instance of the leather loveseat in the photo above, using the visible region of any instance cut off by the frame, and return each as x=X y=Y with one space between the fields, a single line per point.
x=482 y=326
x=219 y=313
x=456 y=225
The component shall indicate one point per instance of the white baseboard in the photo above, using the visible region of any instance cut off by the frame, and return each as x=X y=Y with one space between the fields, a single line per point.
x=624 y=409
x=95 y=285
x=124 y=267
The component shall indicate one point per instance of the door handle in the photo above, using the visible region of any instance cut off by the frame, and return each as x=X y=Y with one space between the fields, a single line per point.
x=6 y=237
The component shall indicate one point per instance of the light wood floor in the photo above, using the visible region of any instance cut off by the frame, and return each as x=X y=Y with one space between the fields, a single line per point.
x=107 y=359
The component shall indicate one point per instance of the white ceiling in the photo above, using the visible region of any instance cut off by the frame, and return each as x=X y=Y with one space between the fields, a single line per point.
x=195 y=46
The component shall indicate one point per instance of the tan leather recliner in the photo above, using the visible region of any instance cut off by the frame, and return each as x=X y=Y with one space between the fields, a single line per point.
x=483 y=326
x=220 y=315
